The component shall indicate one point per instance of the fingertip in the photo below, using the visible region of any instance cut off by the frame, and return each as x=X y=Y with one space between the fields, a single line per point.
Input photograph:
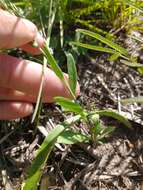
x=53 y=87
x=28 y=108
x=39 y=40
x=14 y=110
x=31 y=29
x=21 y=109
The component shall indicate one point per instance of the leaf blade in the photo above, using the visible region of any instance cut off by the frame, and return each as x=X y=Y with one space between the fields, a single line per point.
x=115 y=115
x=69 y=105
x=72 y=72
x=104 y=40
x=70 y=137
x=52 y=62
x=44 y=151
x=35 y=170
x=128 y=2
x=131 y=64
x=92 y=47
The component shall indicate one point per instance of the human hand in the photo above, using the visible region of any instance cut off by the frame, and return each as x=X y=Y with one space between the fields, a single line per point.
x=20 y=79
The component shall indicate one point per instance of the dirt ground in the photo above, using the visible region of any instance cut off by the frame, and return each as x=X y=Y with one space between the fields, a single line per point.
x=115 y=165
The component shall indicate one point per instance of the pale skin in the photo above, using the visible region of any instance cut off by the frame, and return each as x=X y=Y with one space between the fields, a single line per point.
x=20 y=79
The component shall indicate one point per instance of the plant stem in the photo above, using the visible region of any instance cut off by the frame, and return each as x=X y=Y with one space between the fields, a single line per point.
x=39 y=98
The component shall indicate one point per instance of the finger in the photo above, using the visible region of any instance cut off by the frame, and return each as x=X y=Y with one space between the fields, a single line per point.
x=14 y=110
x=34 y=50
x=7 y=94
x=25 y=76
x=15 y=31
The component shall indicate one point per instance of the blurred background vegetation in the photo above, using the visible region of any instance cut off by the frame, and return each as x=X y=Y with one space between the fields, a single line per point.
x=59 y=19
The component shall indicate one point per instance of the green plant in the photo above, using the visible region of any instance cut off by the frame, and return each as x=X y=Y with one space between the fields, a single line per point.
x=114 y=49
x=63 y=133
x=103 y=17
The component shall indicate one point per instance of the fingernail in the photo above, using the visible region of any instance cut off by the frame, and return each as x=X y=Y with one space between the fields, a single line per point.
x=30 y=25
x=39 y=40
x=29 y=109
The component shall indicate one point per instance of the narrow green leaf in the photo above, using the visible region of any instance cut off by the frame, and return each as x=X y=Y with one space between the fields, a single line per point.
x=72 y=72
x=96 y=128
x=106 y=132
x=115 y=115
x=128 y=2
x=35 y=170
x=114 y=57
x=94 y=122
x=43 y=152
x=55 y=67
x=140 y=70
x=52 y=62
x=70 y=137
x=68 y=105
x=131 y=64
x=132 y=100
x=104 y=40
x=92 y=47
